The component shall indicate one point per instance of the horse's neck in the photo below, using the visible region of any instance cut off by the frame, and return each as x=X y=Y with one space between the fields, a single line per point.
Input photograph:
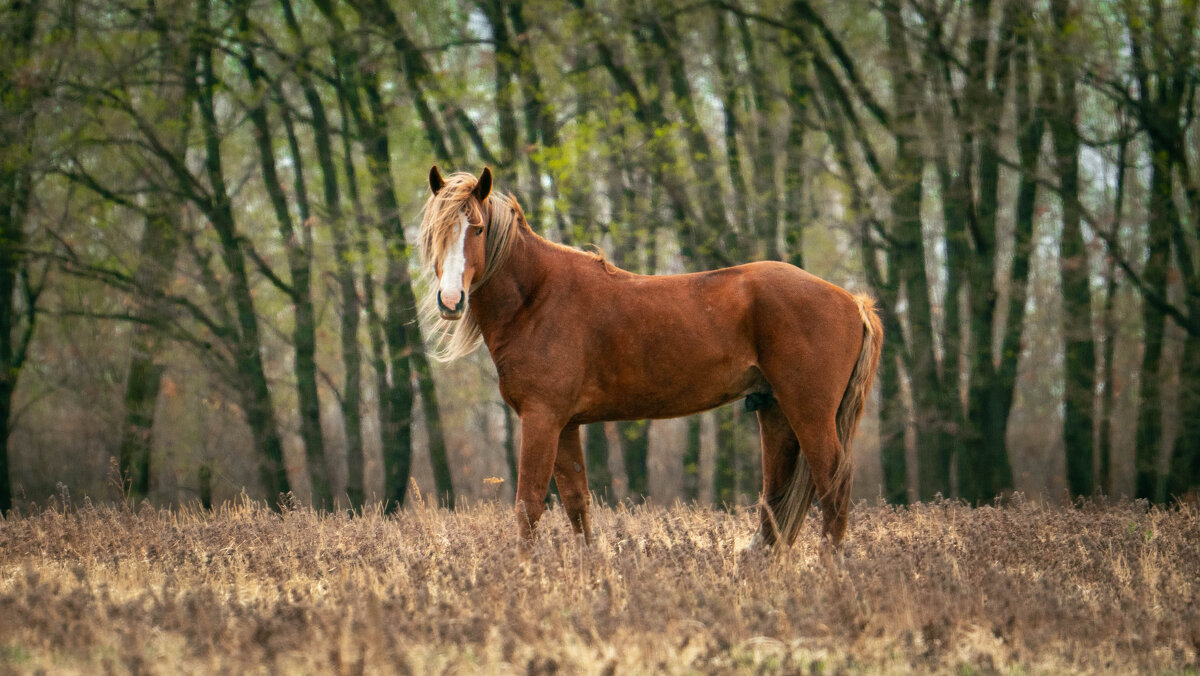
x=520 y=279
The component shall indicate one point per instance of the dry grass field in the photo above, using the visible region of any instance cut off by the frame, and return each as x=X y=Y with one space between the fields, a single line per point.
x=1111 y=588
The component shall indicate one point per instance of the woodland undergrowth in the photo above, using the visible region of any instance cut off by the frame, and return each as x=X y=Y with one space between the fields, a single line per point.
x=942 y=587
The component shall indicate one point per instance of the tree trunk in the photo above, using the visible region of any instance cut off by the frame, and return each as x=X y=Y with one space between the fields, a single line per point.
x=389 y=334
x=1104 y=479
x=795 y=215
x=1162 y=213
x=596 y=452
x=404 y=331
x=766 y=194
x=719 y=243
x=729 y=94
x=141 y=395
x=346 y=84
x=883 y=278
x=304 y=331
x=299 y=261
x=1080 y=385
x=984 y=470
x=375 y=332
x=251 y=377
x=992 y=402
x=158 y=251
x=725 y=470
x=892 y=451
x=510 y=445
x=908 y=255
x=442 y=480
x=396 y=427
x=539 y=118
x=351 y=358
x=8 y=384
x=406 y=349
x=1163 y=72
x=691 y=460
x=204 y=481
x=18 y=30
x=1185 y=460
x=635 y=445
x=506 y=58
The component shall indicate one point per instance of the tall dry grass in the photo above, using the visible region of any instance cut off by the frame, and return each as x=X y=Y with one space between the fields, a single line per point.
x=932 y=588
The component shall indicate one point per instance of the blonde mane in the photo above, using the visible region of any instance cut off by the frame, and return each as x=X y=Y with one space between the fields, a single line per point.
x=458 y=338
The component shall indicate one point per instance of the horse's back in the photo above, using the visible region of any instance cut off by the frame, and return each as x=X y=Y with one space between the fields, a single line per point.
x=749 y=306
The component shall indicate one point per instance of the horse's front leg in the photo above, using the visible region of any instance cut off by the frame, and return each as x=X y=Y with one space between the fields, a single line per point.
x=539 y=446
x=570 y=474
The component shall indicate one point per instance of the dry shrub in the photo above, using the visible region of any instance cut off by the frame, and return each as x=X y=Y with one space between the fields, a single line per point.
x=933 y=588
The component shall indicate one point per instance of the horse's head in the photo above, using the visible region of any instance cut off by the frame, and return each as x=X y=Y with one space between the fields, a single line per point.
x=454 y=235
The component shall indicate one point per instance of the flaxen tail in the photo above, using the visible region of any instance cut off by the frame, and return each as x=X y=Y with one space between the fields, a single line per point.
x=851 y=409
x=791 y=509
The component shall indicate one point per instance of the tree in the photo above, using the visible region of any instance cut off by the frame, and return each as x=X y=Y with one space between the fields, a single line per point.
x=1076 y=280
x=27 y=82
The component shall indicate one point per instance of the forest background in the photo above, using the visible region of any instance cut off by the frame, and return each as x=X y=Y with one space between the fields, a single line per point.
x=207 y=210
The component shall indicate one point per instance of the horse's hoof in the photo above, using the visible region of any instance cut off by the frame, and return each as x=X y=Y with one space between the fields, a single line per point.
x=833 y=556
x=757 y=544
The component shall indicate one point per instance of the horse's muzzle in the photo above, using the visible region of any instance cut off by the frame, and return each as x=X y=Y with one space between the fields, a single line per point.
x=455 y=312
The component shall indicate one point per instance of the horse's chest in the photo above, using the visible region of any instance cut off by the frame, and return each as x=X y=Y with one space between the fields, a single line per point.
x=545 y=374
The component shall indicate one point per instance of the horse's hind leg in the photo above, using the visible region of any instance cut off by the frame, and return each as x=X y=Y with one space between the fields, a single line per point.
x=821 y=448
x=812 y=418
x=780 y=451
x=570 y=473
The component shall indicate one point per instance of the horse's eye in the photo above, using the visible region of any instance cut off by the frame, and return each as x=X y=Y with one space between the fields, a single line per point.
x=476 y=229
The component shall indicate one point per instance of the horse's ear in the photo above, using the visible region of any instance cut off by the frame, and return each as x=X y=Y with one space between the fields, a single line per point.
x=484 y=187
x=435 y=179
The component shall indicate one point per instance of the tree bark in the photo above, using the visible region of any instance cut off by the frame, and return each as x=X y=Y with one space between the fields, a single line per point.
x=983 y=464
x=596 y=452
x=1154 y=275
x=299 y=254
x=794 y=174
x=1184 y=477
x=1080 y=385
x=635 y=445
x=718 y=244
x=732 y=127
x=157 y=253
x=398 y=289
x=345 y=82
x=908 y=255
x=767 y=198
x=883 y=276
x=252 y=387
x=725 y=465
x=538 y=117
x=1164 y=81
x=406 y=349
x=351 y=394
x=18 y=30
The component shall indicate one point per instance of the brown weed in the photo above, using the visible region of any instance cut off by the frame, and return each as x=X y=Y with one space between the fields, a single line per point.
x=932 y=588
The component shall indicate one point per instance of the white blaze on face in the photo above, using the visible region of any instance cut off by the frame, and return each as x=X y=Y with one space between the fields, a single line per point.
x=450 y=285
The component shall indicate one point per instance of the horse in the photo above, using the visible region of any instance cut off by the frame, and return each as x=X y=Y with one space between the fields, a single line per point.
x=576 y=340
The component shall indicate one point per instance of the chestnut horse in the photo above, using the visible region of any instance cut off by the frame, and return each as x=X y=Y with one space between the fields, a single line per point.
x=576 y=340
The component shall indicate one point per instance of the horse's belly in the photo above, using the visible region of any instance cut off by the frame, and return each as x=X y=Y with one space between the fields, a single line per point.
x=668 y=393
